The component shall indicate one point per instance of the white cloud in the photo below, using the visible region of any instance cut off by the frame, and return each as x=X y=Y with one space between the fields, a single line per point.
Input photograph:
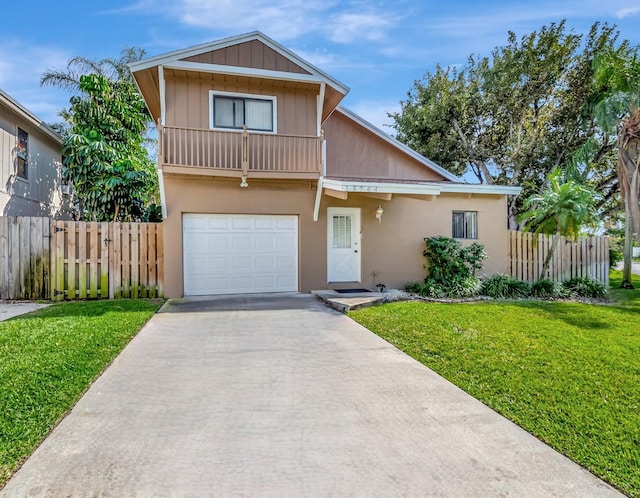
x=284 y=20
x=21 y=67
x=20 y=63
x=349 y=26
x=320 y=58
x=627 y=12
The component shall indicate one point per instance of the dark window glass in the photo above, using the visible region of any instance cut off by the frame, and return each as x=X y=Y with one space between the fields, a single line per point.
x=465 y=225
x=233 y=112
x=23 y=154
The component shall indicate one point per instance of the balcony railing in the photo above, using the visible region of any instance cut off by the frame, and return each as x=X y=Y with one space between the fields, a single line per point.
x=240 y=153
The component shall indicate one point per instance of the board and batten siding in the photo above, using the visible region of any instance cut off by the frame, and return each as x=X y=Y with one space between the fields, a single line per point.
x=253 y=54
x=355 y=152
x=188 y=101
x=39 y=194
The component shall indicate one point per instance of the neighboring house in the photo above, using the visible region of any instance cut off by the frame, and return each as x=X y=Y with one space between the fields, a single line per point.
x=309 y=195
x=30 y=164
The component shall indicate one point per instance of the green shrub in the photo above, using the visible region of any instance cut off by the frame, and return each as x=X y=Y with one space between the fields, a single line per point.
x=433 y=289
x=545 y=289
x=413 y=287
x=466 y=287
x=501 y=286
x=452 y=267
x=585 y=287
x=615 y=256
x=449 y=261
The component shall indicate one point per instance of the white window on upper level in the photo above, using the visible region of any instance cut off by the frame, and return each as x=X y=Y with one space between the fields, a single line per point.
x=231 y=111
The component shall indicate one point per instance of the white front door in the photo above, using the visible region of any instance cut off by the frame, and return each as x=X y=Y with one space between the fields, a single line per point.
x=343 y=245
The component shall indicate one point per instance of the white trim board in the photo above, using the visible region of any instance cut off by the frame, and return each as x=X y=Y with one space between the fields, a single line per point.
x=436 y=188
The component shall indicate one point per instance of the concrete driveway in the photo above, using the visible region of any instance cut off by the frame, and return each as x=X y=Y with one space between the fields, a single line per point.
x=282 y=396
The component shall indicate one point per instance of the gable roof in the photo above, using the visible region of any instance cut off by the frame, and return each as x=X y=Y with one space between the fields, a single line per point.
x=398 y=145
x=179 y=55
x=13 y=105
x=149 y=73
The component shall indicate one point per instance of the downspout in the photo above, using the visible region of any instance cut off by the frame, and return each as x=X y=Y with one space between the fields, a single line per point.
x=316 y=208
x=161 y=122
x=323 y=152
x=320 y=108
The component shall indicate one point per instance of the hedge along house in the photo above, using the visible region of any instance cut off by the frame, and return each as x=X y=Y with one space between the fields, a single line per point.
x=268 y=185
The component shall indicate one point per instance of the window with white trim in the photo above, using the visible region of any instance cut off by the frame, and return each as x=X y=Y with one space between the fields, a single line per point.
x=465 y=225
x=233 y=111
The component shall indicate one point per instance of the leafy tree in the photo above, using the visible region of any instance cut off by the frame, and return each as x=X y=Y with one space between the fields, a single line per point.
x=105 y=156
x=513 y=117
x=615 y=106
x=104 y=138
x=563 y=209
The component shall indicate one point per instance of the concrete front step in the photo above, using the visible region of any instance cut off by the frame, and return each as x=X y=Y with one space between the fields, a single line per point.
x=348 y=302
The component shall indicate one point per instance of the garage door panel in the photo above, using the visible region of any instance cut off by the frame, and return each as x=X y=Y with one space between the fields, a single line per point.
x=241 y=262
x=216 y=241
x=284 y=263
x=287 y=242
x=240 y=254
x=241 y=223
x=265 y=241
x=265 y=223
x=264 y=263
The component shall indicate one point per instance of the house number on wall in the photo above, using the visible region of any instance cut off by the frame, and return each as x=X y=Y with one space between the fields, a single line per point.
x=360 y=188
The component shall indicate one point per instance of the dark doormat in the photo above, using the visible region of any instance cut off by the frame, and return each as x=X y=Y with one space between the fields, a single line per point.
x=351 y=291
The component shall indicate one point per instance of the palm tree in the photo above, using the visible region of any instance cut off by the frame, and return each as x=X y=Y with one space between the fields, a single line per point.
x=563 y=209
x=110 y=68
x=616 y=108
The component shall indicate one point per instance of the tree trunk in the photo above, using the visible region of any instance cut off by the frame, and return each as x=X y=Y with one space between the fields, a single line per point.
x=628 y=250
x=629 y=180
x=512 y=213
x=550 y=253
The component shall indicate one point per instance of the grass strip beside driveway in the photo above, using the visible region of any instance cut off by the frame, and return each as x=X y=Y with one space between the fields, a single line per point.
x=567 y=372
x=49 y=358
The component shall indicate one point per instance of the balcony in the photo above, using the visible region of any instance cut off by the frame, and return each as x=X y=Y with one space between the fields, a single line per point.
x=236 y=154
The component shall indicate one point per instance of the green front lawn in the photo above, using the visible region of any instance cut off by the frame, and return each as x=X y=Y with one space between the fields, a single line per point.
x=567 y=372
x=48 y=358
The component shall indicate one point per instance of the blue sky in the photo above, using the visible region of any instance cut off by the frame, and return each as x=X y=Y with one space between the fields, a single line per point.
x=377 y=48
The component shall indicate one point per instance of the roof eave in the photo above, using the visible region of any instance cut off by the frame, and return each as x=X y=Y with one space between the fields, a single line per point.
x=417 y=188
x=26 y=114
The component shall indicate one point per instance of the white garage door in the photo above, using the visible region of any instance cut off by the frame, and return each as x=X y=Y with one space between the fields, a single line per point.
x=239 y=254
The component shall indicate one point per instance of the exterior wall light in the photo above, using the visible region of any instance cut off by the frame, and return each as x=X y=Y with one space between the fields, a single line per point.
x=244 y=183
x=379 y=213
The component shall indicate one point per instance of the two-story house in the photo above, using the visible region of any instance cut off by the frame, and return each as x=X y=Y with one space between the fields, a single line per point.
x=268 y=185
x=30 y=164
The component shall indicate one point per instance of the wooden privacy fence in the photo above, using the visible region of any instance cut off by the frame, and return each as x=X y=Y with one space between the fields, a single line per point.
x=24 y=257
x=584 y=257
x=92 y=260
